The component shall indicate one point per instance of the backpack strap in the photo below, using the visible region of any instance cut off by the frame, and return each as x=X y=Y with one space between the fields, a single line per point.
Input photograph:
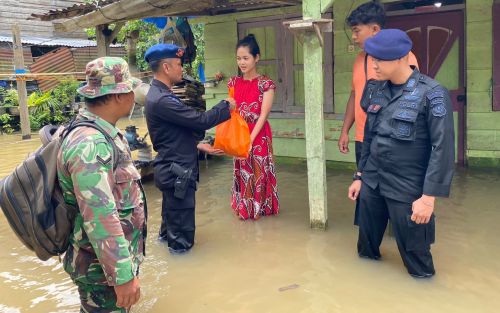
x=88 y=123
x=366 y=67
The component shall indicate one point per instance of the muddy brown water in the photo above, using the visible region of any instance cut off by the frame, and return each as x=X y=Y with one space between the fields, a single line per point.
x=278 y=264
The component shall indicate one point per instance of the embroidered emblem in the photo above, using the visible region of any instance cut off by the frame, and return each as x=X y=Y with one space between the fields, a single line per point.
x=180 y=53
x=404 y=129
x=411 y=83
x=407 y=105
x=406 y=115
x=437 y=101
x=435 y=94
x=102 y=161
x=411 y=97
x=439 y=111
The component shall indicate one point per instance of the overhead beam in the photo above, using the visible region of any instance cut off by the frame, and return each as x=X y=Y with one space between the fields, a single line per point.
x=132 y=9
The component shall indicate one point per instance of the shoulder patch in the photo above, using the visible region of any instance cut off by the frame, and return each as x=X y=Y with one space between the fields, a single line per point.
x=437 y=101
x=439 y=110
x=439 y=93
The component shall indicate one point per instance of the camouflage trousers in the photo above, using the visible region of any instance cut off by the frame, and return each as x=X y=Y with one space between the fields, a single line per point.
x=98 y=299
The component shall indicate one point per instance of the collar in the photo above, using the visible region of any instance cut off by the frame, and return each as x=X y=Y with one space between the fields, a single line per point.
x=160 y=84
x=109 y=128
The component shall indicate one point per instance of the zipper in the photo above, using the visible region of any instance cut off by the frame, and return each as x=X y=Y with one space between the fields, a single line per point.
x=47 y=200
x=35 y=237
x=32 y=211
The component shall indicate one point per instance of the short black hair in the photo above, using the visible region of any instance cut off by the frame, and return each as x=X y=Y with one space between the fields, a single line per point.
x=155 y=65
x=93 y=102
x=251 y=43
x=367 y=13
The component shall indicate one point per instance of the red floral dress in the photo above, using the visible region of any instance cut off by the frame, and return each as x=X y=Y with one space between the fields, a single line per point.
x=254 y=191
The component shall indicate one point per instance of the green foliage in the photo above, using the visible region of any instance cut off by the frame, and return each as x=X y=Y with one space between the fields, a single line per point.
x=65 y=92
x=10 y=97
x=5 y=120
x=199 y=41
x=149 y=35
x=51 y=107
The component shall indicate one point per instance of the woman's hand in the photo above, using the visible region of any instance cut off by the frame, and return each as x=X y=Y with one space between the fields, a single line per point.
x=232 y=103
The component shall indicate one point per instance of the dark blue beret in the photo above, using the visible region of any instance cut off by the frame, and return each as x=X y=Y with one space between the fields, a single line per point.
x=388 y=45
x=163 y=51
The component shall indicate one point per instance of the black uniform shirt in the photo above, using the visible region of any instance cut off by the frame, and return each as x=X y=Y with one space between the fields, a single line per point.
x=408 y=148
x=175 y=128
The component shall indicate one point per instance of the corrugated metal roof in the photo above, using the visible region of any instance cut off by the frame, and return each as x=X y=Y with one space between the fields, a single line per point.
x=56 y=61
x=82 y=56
x=7 y=58
x=74 y=10
x=54 y=42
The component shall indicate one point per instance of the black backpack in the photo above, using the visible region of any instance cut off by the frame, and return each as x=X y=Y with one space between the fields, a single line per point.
x=32 y=200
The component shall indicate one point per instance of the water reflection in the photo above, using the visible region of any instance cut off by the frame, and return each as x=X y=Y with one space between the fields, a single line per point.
x=278 y=264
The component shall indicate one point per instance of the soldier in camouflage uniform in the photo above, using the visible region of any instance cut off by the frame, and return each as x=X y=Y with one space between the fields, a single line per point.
x=107 y=243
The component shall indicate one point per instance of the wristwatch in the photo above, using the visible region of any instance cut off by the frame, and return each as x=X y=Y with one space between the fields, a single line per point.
x=356 y=176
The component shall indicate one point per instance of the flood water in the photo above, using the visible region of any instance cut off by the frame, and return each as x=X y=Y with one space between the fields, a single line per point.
x=278 y=264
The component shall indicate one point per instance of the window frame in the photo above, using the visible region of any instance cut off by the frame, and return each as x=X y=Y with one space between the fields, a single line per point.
x=285 y=64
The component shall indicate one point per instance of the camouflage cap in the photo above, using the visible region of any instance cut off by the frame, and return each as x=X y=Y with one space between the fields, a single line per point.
x=107 y=75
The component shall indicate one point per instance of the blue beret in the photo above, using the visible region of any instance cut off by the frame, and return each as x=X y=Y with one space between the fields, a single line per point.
x=388 y=45
x=163 y=51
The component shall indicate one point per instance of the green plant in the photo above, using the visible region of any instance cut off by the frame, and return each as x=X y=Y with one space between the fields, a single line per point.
x=10 y=98
x=5 y=120
x=65 y=92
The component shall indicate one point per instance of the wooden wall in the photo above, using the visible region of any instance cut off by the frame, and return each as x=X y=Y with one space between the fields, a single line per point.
x=17 y=11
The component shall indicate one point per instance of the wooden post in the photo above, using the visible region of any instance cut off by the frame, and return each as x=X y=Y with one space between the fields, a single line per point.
x=315 y=133
x=21 y=84
x=102 y=46
x=132 y=50
x=104 y=37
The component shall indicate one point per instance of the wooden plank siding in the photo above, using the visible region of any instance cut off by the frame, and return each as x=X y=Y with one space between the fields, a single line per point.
x=18 y=11
x=7 y=57
x=84 y=55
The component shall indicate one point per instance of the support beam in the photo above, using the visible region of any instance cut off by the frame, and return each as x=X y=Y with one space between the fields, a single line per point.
x=132 y=39
x=314 y=122
x=102 y=47
x=326 y=5
x=124 y=10
x=103 y=40
x=21 y=83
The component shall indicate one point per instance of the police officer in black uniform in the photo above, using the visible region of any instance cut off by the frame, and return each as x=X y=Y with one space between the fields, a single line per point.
x=407 y=156
x=175 y=130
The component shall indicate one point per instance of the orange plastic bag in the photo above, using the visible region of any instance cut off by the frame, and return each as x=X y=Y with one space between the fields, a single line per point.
x=233 y=136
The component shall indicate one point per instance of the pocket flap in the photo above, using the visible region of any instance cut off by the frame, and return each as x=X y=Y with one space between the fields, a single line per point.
x=405 y=115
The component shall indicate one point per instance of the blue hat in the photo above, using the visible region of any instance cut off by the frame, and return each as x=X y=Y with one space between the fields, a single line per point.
x=163 y=51
x=388 y=45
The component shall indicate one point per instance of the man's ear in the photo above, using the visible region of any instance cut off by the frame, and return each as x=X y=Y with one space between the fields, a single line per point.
x=376 y=28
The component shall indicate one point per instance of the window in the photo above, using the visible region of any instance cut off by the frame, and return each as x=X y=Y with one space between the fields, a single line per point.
x=282 y=60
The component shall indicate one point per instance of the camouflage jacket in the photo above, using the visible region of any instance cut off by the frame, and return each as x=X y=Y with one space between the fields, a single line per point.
x=106 y=246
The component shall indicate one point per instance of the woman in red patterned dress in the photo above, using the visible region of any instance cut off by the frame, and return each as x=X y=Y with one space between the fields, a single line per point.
x=254 y=191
